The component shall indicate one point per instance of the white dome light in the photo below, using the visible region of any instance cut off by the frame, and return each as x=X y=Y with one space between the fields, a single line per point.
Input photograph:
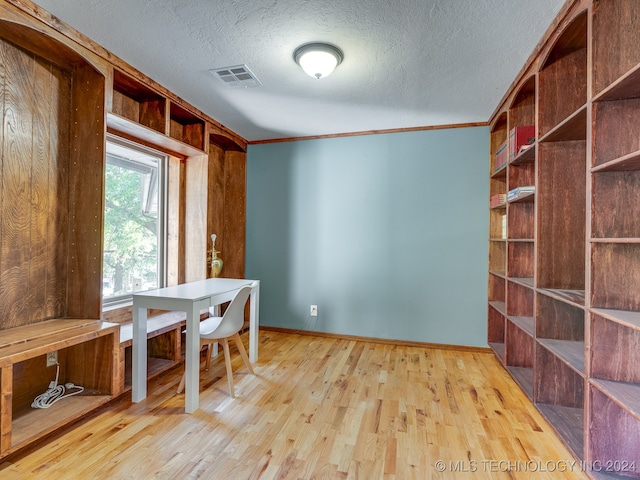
x=318 y=60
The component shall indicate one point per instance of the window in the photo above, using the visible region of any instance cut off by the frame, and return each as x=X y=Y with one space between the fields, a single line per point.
x=134 y=221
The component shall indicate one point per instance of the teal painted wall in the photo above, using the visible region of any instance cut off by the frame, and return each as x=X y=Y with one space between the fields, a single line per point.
x=386 y=233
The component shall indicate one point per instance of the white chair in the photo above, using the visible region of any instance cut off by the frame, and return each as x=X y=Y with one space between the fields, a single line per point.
x=222 y=329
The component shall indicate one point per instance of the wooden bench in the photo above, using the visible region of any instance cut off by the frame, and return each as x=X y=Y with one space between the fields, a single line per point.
x=164 y=343
x=87 y=352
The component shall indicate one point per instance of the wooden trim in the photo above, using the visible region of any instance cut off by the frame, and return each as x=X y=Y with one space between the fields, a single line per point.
x=371 y=132
x=384 y=341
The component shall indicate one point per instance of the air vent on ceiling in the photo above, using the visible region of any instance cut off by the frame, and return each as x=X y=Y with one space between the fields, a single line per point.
x=237 y=76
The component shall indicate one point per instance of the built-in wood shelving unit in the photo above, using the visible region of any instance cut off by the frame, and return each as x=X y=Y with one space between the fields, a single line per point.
x=565 y=319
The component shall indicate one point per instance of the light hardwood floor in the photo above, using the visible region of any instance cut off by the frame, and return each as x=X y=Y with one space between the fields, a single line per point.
x=317 y=408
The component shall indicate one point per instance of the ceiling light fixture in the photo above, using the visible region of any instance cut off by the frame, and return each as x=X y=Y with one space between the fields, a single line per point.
x=318 y=59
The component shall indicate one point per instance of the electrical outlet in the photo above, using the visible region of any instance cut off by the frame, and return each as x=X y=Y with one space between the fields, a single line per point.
x=52 y=359
x=313 y=310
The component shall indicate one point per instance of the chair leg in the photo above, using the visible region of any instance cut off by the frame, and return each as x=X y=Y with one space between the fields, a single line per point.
x=227 y=360
x=243 y=352
x=181 y=386
x=208 y=359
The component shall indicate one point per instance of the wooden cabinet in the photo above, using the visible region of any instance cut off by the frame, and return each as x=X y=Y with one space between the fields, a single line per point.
x=87 y=352
x=564 y=303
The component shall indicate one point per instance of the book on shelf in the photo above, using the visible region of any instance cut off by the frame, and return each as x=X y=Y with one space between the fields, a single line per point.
x=497 y=200
x=502 y=155
x=520 y=192
x=524 y=135
x=504 y=226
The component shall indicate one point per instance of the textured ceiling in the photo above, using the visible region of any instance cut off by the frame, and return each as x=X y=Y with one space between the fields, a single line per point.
x=408 y=63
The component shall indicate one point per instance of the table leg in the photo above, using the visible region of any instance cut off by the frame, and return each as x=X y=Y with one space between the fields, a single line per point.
x=192 y=360
x=139 y=355
x=254 y=321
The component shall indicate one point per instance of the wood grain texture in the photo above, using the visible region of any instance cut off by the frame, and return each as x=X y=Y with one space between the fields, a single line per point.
x=616 y=27
x=196 y=239
x=616 y=354
x=495 y=326
x=615 y=276
x=498 y=256
x=6 y=409
x=523 y=108
x=235 y=192
x=555 y=382
x=617 y=433
x=558 y=320
x=614 y=120
x=520 y=259
x=175 y=222
x=496 y=288
x=521 y=218
x=566 y=66
x=35 y=129
x=519 y=300
x=86 y=193
x=561 y=193
x=519 y=346
x=317 y=408
x=215 y=201
x=615 y=200
x=77 y=46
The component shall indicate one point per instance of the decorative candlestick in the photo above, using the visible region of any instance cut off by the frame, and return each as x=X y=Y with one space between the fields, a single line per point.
x=216 y=262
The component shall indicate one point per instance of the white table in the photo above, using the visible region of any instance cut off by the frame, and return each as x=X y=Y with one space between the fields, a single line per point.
x=191 y=298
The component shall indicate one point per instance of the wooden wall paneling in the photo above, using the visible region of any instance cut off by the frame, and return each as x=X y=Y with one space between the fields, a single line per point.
x=561 y=225
x=215 y=203
x=34 y=192
x=17 y=145
x=196 y=240
x=175 y=222
x=57 y=213
x=86 y=188
x=17 y=148
x=235 y=212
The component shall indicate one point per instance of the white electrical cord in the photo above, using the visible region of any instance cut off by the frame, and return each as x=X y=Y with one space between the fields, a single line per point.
x=55 y=392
